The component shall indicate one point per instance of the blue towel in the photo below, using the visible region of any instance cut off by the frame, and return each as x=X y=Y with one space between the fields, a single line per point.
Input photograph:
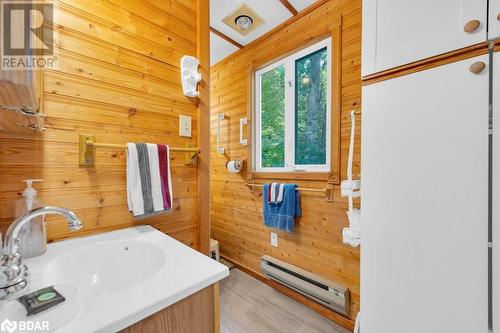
x=282 y=215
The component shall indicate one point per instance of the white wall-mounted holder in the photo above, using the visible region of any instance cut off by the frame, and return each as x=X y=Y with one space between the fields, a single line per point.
x=220 y=117
x=234 y=166
x=352 y=189
x=243 y=121
x=190 y=76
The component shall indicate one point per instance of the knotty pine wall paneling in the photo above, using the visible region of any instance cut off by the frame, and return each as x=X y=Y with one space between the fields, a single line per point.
x=236 y=211
x=119 y=79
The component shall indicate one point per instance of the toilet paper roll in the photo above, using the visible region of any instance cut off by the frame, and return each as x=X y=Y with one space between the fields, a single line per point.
x=234 y=166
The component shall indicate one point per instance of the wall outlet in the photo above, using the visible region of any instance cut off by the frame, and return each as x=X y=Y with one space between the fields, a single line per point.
x=185 y=126
x=274 y=239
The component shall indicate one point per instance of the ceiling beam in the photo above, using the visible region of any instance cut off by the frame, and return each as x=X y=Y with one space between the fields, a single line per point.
x=290 y=7
x=226 y=38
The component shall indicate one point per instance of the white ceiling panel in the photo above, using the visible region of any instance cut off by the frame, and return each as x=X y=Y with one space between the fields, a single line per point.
x=301 y=4
x=271 y=11
x=219 y=48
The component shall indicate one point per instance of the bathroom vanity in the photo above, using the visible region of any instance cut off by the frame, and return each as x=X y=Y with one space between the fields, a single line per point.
x=135 y=279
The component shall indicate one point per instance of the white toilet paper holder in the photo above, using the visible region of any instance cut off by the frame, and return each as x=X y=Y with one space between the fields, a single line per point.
x=234 y=166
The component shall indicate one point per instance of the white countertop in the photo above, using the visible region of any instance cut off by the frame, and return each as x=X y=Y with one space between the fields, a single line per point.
x=115 y=279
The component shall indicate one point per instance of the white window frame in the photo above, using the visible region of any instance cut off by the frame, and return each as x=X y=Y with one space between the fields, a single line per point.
x=289 y=63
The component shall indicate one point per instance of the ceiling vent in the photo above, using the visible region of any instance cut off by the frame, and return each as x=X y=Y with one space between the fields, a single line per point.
x=244 y=20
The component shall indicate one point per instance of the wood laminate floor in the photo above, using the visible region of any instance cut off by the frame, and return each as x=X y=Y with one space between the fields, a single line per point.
x=251 y=306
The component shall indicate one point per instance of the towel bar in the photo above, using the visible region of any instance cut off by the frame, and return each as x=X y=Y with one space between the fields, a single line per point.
x=327 y=191
x=87 y=151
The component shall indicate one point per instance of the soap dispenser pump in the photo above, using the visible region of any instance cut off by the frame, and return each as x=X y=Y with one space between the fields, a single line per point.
x=33 y=236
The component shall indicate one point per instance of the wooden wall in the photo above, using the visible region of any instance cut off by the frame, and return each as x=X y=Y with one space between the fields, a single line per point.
x=119 y=79
x=236 y=212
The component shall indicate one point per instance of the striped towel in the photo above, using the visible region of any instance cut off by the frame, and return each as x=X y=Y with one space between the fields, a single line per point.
x=149 y=185
x=275 y=193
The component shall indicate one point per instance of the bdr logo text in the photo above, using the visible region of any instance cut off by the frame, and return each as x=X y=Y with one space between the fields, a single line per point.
x=12 y=326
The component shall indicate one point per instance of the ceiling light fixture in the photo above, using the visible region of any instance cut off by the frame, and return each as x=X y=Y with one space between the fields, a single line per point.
x=244 y=22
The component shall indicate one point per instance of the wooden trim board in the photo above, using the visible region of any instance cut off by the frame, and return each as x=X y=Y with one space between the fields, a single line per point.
x=290 y=7
x=291 y=175
x=203 y=53
x=216 y=302
x=336 y=103
x=424 y=64
x=250 y=122
x=225 y=37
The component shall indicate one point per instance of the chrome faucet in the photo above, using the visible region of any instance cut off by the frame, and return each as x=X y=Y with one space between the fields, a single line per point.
x=13 y=273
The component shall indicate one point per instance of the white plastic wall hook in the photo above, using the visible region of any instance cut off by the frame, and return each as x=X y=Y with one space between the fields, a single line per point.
x=350 y=188
x=351 y=237
x=190 y=76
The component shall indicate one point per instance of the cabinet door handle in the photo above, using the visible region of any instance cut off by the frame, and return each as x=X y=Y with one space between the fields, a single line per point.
x=477 y=67
x=472 y=26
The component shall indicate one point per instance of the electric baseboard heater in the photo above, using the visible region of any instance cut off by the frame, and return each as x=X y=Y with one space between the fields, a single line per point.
x=320 y=290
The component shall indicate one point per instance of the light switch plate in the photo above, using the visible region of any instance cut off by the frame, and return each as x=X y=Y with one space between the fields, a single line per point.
x=185 y=126
x=274 y=239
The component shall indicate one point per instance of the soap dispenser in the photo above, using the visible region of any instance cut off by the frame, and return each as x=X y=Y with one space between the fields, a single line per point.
x=33 y=236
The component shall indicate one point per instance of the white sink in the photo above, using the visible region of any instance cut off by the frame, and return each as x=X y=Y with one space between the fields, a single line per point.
x=106 y=267
x=115 y=279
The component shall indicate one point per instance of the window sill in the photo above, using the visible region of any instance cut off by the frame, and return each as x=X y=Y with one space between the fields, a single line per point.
x=324 y=176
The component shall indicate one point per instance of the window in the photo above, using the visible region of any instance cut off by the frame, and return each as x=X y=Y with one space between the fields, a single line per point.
x=292 y=112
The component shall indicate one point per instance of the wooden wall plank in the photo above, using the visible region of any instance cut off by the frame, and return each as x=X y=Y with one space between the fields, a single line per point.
x=138 y=18
x=118 y=78
x=168 y=51
x=56 y=82
x=236 y=211
x=91 y=47
x=94 y=69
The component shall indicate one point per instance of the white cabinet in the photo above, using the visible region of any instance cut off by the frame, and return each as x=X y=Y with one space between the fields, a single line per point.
x=494 y=19
x=398 y=32
x=424 y=210
x=496 y=193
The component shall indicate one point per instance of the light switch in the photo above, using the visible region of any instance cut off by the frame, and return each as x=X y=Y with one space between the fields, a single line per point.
x=185 y=126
